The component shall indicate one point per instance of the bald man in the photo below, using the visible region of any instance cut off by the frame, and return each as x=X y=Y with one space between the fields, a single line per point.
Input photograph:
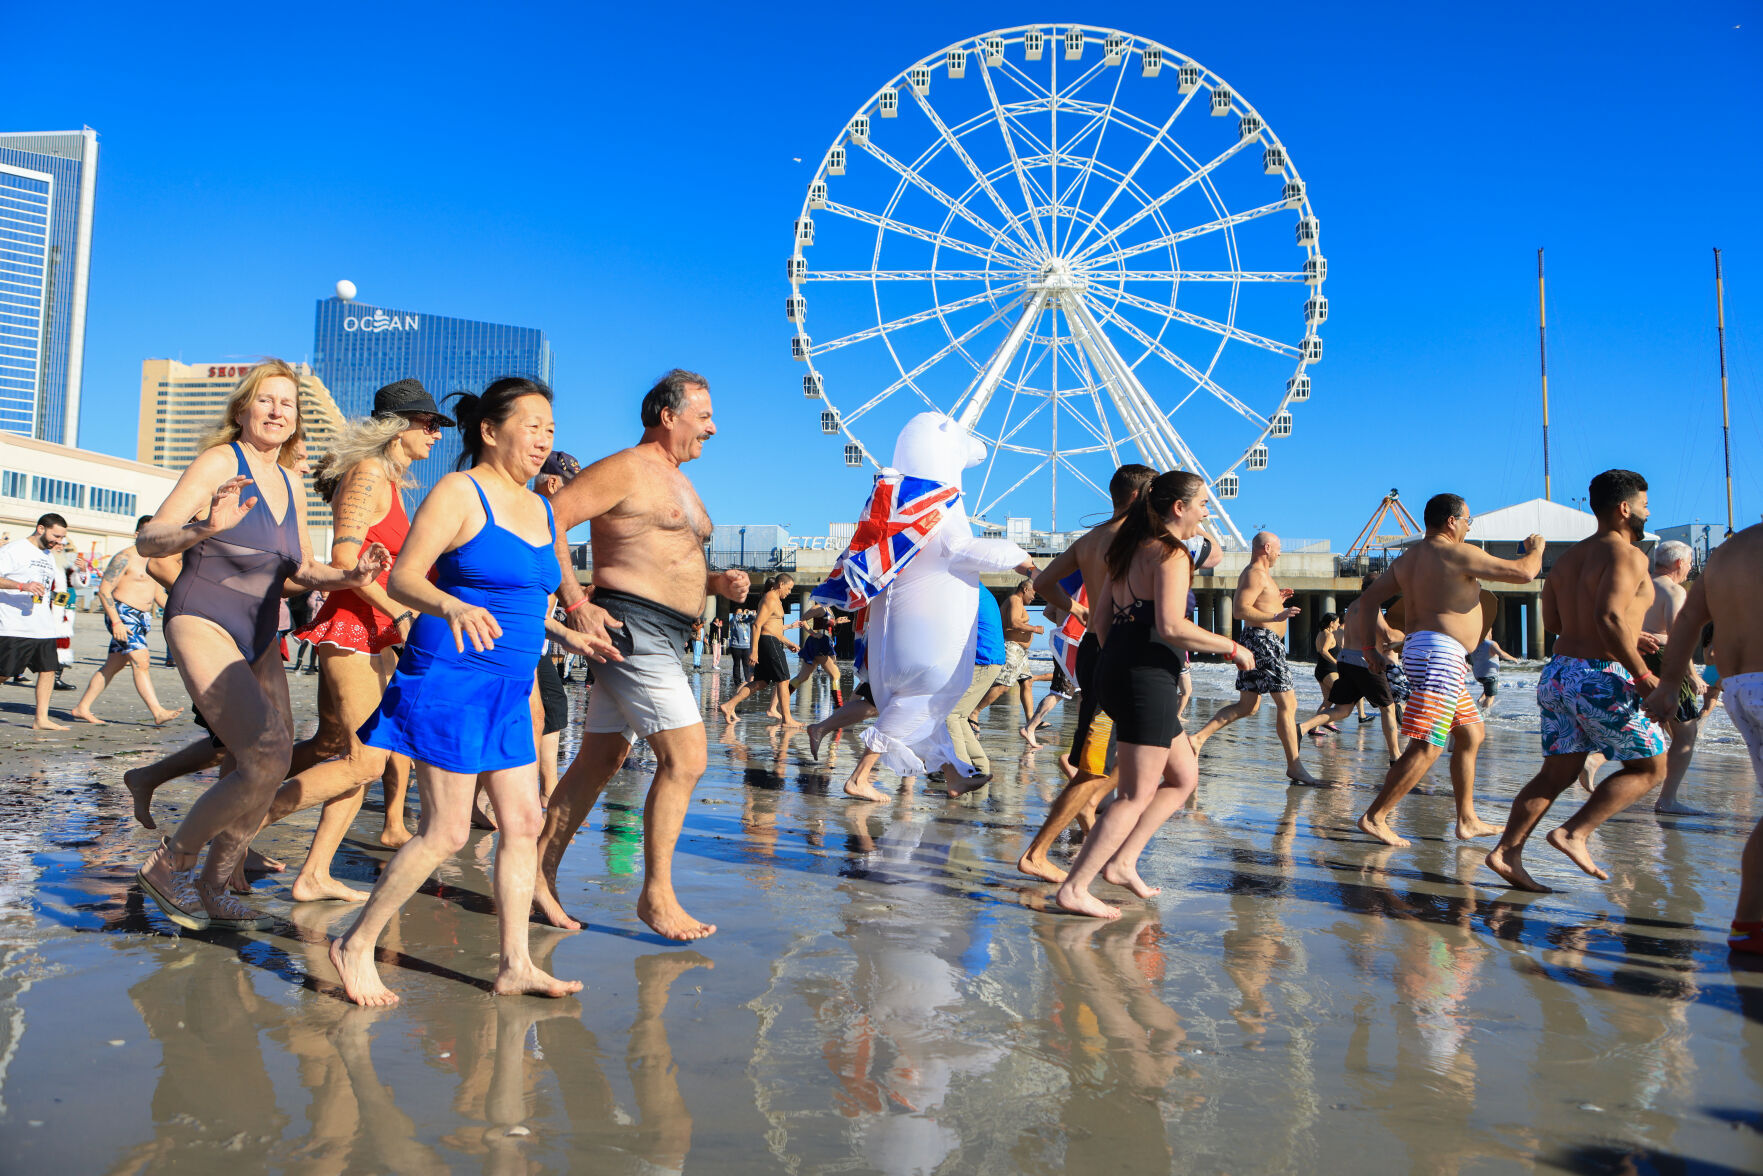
x=1261 y=605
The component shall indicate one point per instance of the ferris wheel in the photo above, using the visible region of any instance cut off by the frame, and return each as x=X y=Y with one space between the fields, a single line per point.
x=1084 y=246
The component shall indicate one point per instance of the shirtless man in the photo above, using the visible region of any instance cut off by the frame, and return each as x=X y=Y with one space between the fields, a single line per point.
x=1726 y=594
x=1261 y=606
x=1092 y=744
x=1361 y=669
x=1015 y=673
x=1590 y=693
x=127 y=593
x=650 y=581
x=1440 y=582
x=766 y=658
x=1671 y=567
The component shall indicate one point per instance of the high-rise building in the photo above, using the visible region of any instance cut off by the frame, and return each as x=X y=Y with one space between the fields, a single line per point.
x=182 y=402
x=358 y=349
x=47 y=182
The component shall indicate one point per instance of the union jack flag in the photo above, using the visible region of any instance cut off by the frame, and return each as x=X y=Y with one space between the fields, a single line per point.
x=899 y=519
x=1070 y=632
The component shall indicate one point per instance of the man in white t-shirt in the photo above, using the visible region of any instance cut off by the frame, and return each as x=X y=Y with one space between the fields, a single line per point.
x=30 y=579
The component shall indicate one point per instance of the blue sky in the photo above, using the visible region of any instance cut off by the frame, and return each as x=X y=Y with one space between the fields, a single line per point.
x=628 y=185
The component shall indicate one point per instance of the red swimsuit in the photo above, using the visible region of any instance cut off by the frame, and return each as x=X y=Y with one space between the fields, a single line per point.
x=346 y=620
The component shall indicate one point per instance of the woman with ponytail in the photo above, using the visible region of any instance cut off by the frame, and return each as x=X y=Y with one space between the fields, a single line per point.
x=459 y=703
x=1138 y=614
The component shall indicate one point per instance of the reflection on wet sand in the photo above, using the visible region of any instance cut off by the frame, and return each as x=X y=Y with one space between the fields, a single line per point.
x=889 y=995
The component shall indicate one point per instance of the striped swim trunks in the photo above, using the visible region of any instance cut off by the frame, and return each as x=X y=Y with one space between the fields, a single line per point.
x=1438 y=702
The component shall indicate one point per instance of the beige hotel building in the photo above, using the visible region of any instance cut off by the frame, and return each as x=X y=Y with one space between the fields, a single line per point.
x=181 y=402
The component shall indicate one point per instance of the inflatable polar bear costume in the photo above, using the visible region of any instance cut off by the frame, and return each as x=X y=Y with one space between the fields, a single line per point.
x=922 y=627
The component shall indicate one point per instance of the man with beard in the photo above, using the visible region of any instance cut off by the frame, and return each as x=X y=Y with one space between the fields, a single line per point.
x=1590 y=693
x=30 y=581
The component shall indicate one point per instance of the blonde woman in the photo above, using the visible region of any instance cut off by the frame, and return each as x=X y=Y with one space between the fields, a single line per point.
x=235 y=517
x=358 y=630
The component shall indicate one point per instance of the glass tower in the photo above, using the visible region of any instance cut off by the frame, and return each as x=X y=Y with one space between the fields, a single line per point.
x=357 y=349
x=47 y=181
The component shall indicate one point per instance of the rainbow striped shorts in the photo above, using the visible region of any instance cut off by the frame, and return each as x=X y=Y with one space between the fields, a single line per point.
x=1438 y=703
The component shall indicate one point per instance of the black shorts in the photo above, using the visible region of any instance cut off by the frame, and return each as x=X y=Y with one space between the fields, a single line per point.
x=1355 y=682
x=22 y=655
x=1092 y=743
x=1324 y=669
x=1490 y=685
x=552 y=696
x=771 y=665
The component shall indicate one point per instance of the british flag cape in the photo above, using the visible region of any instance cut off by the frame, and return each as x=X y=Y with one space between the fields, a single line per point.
x=899 y=519
x=1070 y=633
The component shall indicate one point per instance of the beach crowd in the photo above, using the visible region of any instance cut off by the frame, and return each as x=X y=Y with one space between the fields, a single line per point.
x=438 y=639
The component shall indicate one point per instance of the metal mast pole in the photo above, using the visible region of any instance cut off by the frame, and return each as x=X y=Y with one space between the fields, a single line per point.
x=1543 y=345
x=1725 y=403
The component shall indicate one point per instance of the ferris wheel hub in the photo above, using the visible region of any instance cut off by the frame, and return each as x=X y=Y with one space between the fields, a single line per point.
x=1058 y=277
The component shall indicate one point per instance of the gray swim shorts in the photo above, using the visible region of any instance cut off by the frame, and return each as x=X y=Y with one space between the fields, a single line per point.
x=648 y=691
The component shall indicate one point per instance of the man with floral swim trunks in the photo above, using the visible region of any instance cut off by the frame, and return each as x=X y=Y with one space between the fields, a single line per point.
x=1590 y=693
x=1726 y=594
x=1440 y=582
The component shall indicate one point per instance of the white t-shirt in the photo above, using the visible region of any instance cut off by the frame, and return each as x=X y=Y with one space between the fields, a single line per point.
x=23 y=560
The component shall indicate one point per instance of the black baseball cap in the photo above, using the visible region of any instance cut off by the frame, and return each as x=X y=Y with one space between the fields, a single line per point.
x=407 y=397
x=560 y=465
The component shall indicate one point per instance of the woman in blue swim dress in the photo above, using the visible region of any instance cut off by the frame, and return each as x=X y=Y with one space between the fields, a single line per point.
x=459 y=703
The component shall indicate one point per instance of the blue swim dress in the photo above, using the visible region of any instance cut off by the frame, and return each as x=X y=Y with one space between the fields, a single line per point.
x=471 y=711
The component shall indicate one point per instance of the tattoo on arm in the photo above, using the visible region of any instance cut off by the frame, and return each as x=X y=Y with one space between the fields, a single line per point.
x=114 y=569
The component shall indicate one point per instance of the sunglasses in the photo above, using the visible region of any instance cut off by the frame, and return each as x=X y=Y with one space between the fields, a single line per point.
x=426 y=421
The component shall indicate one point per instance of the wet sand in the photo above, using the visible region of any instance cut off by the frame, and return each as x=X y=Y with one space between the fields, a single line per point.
x=886 y=994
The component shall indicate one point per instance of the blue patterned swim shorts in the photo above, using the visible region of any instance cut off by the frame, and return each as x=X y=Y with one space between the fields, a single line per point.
x=1595 y=706
x=138 y=625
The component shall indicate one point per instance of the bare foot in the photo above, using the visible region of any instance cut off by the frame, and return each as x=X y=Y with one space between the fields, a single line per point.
x=1028 y=734
x=1198 y=739
x=527 y=980
x=728 y=711
x=361 y=980
x=260 y=864
x=1040 y=868
x=1381 y=831
x=86 y=716
x=1474 y=826
x=962 y=785
x=546 y=906
x=863 y=789
x=668 y=918
x=392 y=836
x=815 y=735
x=326 y=888
x=772 y=714
x=1121 y=876
x=1298 y=774
x=1577 y=851
x=1678 y=810
x=48 y=725
x=143 y=797
x=1513 y=871
x=1082 y=902
x=163 y=717
x=238 y=883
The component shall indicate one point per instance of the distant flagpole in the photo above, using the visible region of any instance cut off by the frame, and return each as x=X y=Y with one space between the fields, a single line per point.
x=1725 y=404
x=1543 y=345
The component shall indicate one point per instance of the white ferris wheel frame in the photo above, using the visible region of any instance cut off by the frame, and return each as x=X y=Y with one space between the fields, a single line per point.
x=1029 y=268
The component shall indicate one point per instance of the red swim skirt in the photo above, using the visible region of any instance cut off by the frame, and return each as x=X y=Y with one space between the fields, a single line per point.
x=349 y=622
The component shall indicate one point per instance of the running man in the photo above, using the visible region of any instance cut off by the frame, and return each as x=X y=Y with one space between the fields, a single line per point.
x=1261 y=605
x=126 y=594
x=1018 y=632
x=817 y=648
x=648 y=530
x=1484 y=665
x=1726 y=594
x=1092 y=743
x=1361 y=674
x=1672 y=561
x=766 y=661
x=1440 y=582
x=1590 y=693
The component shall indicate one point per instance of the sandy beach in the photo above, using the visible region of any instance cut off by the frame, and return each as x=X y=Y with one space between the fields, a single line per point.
x=885 y=993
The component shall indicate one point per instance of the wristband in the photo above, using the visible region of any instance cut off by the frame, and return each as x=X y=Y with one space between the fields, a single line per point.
x=1645 y=678
x=408 y=614
x=585 y=598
